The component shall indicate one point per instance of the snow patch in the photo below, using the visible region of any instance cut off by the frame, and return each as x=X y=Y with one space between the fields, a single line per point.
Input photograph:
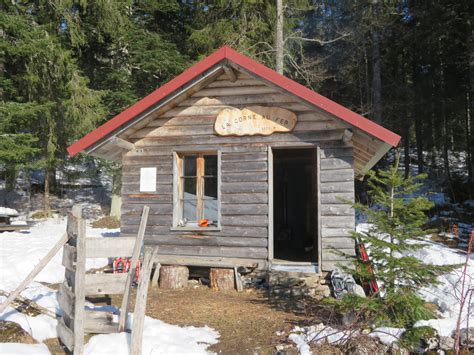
x=18 y=349
x=158 y=337
x=8 y=211
x=387 y=335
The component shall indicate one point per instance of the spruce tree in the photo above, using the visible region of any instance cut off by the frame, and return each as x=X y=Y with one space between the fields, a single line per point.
x=396 y=222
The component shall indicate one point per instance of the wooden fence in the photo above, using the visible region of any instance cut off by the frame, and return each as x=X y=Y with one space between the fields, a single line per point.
x=76 y=320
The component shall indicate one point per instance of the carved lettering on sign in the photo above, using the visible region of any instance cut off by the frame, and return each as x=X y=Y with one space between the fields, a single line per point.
x=254 y=120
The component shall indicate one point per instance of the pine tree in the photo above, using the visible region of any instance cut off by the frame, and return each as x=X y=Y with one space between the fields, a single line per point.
x=396 y=218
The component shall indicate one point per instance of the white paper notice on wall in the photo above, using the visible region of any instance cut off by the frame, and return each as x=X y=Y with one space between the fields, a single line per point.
x=147 y=179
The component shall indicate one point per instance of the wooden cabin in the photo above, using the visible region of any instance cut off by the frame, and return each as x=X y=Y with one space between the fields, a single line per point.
x=240 y=166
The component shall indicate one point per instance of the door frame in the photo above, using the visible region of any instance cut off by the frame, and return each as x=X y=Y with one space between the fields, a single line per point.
x=270 y=198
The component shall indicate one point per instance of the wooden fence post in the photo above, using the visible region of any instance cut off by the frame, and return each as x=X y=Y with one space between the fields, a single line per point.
x=140 y=302
x=79 y=286
x=133 y=269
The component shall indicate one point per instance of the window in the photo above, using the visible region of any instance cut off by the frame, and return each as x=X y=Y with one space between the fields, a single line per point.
x=196 y=190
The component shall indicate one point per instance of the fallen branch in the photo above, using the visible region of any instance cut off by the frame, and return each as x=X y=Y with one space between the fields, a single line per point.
x=20 y=300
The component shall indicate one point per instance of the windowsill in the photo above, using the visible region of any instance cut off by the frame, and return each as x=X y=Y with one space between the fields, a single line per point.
x=197 y=229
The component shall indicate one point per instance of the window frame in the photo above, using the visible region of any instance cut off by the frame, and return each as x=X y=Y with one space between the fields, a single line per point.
x=178 y=189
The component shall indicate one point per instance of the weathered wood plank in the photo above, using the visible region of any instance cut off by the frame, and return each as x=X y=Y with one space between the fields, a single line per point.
x=66 y=299
x=336 y=197
x=331 y=254
x=337 y=175
x=131 y=188
x=210 y=261
x=300 y=137
x=244 y=187
x=239 y=82
x=244 y=177
x=169 y=131
x=230 y=167
x=338 y=243
x=249 y=220
x=147 y=159
x=141 y=300
x=235 y=91
x=235 y=100
x=328 y=232
x=337 y=163
x=336 y=152
x=245 y=198
x=342 y=187
x=337 y=210
x=183 y=121
x=228 y=231
x=65 y=334
x=204 y=240
x=137 y=247
x=238 y=209
x=235 y=252
x=146 y=198
x=231 y=148
x=338 y=221
x=69 y=257
x=79 y=278
x=331 y=265
x=155 y=219
x=99 y=322
x=135 y=209
x=109 y=247
x=103 y=284
x=244 y=156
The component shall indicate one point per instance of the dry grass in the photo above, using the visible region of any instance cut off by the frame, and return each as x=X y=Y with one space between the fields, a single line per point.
x=106 y=222
x=12 y=333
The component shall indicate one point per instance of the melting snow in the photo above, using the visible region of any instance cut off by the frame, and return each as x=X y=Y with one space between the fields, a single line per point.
x=21 y=251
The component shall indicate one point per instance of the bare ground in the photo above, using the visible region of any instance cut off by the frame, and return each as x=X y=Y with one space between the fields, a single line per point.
x=248 y=322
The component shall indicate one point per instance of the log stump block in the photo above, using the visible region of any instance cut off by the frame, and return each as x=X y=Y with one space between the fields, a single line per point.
x=222 y=279
x=173 y=276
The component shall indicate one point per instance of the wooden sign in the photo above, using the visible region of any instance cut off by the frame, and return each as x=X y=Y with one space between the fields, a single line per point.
x=254 y=120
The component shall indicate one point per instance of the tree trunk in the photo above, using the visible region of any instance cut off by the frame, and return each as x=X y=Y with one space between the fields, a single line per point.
x=222 y=279
x=279 y=45
x=406 y=145
x=470 y=115
x=173 y=277
x=46 y=196
x=376 y=78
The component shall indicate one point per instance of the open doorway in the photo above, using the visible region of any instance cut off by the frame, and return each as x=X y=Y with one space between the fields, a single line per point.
x=295 y=205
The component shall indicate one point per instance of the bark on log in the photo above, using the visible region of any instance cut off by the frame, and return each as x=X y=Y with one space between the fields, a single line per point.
x=222 y=279
x=173 y=276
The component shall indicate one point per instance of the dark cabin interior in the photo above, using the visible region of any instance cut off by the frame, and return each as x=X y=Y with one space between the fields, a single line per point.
x=294 y=203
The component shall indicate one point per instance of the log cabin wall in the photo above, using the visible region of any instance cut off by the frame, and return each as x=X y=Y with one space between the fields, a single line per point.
x=244 y=174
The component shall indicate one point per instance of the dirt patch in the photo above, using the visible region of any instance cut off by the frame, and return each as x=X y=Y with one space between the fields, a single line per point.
x=12 y=333
x=106 y=222
x=248 y=322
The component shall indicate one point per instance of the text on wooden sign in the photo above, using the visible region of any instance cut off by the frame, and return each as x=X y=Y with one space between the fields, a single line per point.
x=254 y=120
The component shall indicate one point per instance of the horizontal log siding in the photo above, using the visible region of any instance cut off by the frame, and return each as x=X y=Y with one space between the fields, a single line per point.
x=337 y=216
x=244 y=171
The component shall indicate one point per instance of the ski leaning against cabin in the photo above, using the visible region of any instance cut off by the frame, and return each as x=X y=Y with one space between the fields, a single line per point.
x=240 y=166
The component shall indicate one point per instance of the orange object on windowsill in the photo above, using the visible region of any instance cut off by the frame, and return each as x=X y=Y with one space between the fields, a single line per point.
x=204 y=223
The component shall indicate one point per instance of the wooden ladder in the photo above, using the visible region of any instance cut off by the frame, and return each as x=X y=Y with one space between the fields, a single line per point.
x=76 y=320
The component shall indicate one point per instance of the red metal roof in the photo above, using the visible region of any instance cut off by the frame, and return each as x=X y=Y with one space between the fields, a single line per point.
x=258 y=69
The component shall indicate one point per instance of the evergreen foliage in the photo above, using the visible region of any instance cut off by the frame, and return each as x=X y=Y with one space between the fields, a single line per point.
x=396 y=220
x=68 y=66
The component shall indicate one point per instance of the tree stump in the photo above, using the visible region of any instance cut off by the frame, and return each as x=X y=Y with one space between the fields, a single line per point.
x=222 y=279
x=173 y=276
